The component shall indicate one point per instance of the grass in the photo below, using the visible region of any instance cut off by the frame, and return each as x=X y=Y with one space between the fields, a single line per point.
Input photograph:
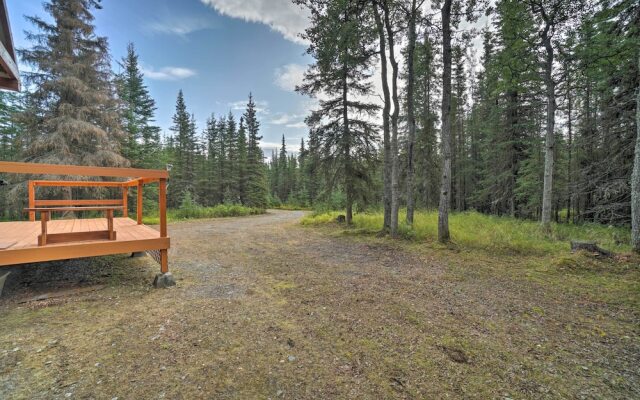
x=473 y=230
x=290 y=207
x=276 y=310
x=196 y=212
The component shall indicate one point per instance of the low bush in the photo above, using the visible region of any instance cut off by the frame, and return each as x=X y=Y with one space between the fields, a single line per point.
x=195 y=211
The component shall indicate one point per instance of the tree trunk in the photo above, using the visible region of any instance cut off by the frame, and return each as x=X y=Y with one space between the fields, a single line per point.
x=411 y=118
x=395 y=170
x=394 y=123
x=347 y=149
x=570 y=148
x=445 y=186
x=386 y=198
x=635 y=181
x=549 y=157
x=512 y=116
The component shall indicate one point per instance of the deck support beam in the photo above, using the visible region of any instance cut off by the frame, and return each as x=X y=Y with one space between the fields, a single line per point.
x=32 y=200
x=125 y=202
x=44 y=217
x=139 y=203
x=162 y=193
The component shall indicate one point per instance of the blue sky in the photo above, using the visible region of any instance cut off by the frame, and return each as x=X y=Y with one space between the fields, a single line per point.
x=216 y=51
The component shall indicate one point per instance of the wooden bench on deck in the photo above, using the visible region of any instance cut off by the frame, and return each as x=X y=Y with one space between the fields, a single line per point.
x=45 y=216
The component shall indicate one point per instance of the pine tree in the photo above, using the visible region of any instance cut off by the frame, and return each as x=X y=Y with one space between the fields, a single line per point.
x=341 y=43
x=212 y=138
x=256 y=190
x=302 y=195
x=222 y=168
x=282 y=168
x=459 y=151
x=427 y=163
x=184 y=147
x=71 y=114
x=505 y=115
x=231 y=189
x=10 y=145
x=241 y=147
x=141 y=142
x=10 y=132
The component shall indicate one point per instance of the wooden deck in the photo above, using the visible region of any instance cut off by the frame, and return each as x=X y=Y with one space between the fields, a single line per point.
x=19 y=240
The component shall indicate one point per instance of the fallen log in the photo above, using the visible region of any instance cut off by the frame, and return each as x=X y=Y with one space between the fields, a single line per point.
x=590 y=247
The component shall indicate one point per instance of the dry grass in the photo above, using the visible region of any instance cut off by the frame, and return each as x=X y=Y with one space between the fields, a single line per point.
x=267 y=309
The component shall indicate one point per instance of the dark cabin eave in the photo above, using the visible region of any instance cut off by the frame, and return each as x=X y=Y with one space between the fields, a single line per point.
x=9 y=74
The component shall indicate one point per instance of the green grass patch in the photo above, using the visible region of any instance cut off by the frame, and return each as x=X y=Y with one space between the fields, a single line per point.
x=474 y=230
x=196 y=212
x=290 y=207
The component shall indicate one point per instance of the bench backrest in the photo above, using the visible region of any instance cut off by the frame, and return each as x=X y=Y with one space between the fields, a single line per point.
x=34 y=202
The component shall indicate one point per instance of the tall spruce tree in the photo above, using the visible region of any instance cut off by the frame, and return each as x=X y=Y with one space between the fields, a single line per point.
x=241 y=147
x=10 y=146
x=231 y=189
x=341 y=42
x=282 y=168
x=212 y=138
x=141 y=142
x=71 y=114
x=427 y=162
x=256 y=189
x=183 y=157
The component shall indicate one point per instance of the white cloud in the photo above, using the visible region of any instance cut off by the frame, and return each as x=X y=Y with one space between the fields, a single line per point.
x=181 y=26
x=280 y=15
x=168 y=73
x=290 y=76
x=285 y=119
x=295 y=121
x=297 y=125
x=262 y=107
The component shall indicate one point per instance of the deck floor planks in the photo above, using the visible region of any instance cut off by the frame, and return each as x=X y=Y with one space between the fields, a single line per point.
x=131 y=237
x=25 y=233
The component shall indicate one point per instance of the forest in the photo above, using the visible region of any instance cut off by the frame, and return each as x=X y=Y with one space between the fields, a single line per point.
x=455 y=214
x=526 y=109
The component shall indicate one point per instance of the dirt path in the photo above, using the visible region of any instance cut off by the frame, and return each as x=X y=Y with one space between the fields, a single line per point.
x=265 y=308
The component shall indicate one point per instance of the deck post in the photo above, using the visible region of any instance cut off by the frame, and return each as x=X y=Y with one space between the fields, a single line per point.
x=164 y=261
x=139 y=203
x=162 y=193
x=32 y=199
x=125 y=201
x=112 y=234
x=44 y=217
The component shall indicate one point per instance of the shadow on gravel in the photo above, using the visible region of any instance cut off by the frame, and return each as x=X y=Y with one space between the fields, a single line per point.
x=32 y=280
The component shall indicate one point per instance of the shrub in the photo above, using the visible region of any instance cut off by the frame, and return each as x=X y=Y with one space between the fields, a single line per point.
x=193 y=211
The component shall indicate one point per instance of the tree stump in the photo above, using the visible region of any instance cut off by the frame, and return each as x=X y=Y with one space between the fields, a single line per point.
x=591 y=247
